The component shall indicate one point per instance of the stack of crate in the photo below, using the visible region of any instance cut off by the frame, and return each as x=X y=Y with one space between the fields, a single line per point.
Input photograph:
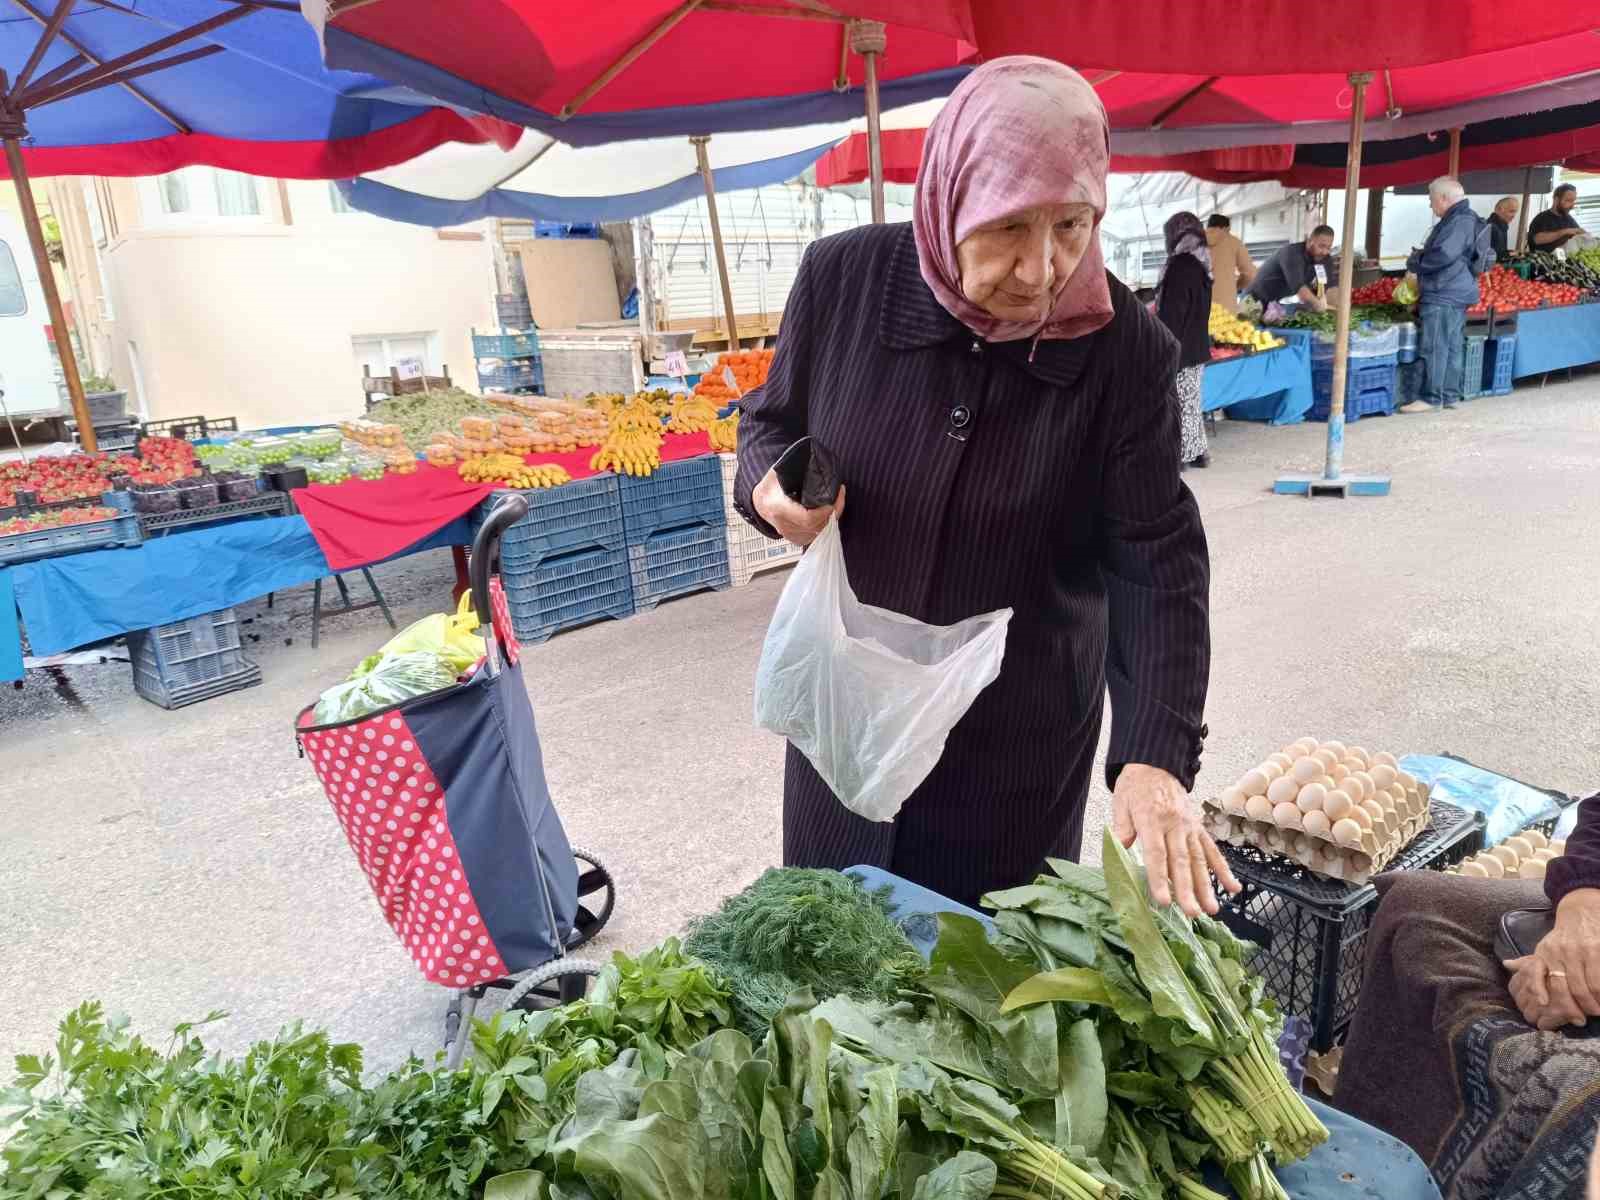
x=749 y=550
x=676 y=528
x=508 y=361
x=566 y=562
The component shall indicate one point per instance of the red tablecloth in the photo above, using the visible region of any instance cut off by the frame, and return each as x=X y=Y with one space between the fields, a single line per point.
x=365 y=520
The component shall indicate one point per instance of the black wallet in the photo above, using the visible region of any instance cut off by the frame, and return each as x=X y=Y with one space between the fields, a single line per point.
x=1521 y=930
x=807 y=475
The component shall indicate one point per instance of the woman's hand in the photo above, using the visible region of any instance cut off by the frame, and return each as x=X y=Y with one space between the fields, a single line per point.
x=1151 y=807
x=794 y=523
x=1559 y=983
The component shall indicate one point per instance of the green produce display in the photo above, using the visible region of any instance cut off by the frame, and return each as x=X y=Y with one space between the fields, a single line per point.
x=796 y=929
x=1097 y=1049
x=1581 y=268
x=1380 y=316
x=422 y=415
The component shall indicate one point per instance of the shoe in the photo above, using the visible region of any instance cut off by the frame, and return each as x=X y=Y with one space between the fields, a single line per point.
x=1201 y=460
x=1417 y=406
x=1450 y=407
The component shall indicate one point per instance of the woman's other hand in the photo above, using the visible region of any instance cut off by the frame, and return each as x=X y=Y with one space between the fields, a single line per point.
x=1541 y=1004
x=1151 y=807
x=1559 y=983
x=794 y=523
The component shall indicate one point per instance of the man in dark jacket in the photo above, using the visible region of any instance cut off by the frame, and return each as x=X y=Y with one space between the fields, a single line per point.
x=1505 y=212
x=1445 y=271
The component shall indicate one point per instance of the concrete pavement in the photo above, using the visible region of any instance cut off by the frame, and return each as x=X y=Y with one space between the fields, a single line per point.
x=175 y=863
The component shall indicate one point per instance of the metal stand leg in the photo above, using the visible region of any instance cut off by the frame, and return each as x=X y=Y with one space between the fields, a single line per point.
x=344 y=592
x=460 y=1016
x=378 y=596
x=316 y=613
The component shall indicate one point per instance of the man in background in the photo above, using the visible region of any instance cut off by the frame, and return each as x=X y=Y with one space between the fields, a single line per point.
x=1445 y=272
x=1556 y=226
x=1505 y=212
x=1302 y=270
x=1231 y=268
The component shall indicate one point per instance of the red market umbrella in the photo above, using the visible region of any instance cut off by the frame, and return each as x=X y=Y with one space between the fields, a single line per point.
x=634 y=69
x=113 y=89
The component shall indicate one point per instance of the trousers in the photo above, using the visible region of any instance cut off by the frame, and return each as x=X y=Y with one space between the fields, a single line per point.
x=1442 y=352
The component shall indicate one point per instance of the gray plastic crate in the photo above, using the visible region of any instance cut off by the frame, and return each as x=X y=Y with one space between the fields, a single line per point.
x=190 y=660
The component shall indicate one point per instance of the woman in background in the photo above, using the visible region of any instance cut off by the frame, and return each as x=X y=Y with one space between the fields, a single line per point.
x=1183 y=302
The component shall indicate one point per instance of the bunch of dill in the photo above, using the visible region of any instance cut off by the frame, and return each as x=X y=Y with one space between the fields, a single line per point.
x=795 y=929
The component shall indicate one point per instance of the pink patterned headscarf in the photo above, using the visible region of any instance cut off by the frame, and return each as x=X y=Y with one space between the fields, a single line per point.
x=1018 y=133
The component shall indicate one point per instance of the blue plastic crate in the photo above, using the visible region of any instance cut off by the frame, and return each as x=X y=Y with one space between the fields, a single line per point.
x=1369 y=388
x=513 y=374
x=1499 y=353
x=565 y=229
x=676 y=563
x=190 y=660
x=1472 y=367
x=678 y=493
x=69 y=539
x=505 y=345
x=567 y=590
x=581 y=515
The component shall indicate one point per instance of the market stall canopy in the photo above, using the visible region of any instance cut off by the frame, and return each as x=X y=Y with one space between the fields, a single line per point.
x=632 y=69
x=543 y=179
x=238 y=85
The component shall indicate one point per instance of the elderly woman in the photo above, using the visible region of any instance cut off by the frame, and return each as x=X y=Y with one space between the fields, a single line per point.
x=1183 y=302
x=1001 y=413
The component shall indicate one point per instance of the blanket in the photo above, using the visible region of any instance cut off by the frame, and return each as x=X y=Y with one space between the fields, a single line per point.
x=1438 y=1055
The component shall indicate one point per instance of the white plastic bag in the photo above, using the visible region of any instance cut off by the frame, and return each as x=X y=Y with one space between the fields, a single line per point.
x=868 y=695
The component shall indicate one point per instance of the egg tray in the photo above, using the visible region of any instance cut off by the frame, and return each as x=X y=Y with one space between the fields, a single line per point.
x=1513 y=864
x=1377 y=847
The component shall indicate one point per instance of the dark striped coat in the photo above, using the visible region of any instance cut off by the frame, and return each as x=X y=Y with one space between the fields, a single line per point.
x=978 y=478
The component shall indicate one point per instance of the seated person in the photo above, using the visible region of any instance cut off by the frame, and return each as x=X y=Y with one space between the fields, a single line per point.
x=1489 y=1071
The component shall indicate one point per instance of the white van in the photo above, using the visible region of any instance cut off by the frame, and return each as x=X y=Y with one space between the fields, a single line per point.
x=27 y=366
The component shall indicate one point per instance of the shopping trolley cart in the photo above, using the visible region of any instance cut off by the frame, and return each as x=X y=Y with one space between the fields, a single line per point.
x=444 y=802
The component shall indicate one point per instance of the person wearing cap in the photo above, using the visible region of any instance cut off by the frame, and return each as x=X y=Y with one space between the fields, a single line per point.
x=1232 y=270
x=1556 y=226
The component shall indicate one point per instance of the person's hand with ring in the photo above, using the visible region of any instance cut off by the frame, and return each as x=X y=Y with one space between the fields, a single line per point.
x=1151 y=807
x=793 y=522
x=1559 y=983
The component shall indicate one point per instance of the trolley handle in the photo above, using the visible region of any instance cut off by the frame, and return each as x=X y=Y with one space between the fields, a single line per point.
x=510 y=509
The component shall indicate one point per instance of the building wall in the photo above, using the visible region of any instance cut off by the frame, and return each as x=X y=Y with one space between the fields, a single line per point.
x=258 y=317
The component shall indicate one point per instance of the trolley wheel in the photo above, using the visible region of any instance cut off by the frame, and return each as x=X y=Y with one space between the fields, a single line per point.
x=555 y=983
x=597 y=897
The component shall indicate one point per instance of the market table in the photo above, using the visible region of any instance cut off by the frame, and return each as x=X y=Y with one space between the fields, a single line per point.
x=1553 y=339
x=1272 y=386
x=78 y=599
x=1357 y=1162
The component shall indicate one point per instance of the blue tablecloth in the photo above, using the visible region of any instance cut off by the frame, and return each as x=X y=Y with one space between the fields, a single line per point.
x=77 y=599
x=1273 y=386
x=1553 y=339
x=1357 y=1162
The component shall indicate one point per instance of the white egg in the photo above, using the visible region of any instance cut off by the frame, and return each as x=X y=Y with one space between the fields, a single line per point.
x=1534 y=838
x=1254 y=783
x=1283 y=790
x=1281 y=760
x=1326 y=757
x=1306 y=745
x=1306 y=770
x=1232 y=801
x=1558 y=847
x=1361 y=816
x=1337 y=804
x=1336 y=748
x=1271 y=770
x=1383 y=775
x=1387 y=759
x=1347 y=832
x=1287 y=816
x=1492 y=866
x=1360 y=755
x=1532 y=869
x=1311 y=797
x=1368 y=787
x=1258 y=808
x=1317 y=823
x=1339 y=772
x=1473 y=870
x=1506 y=855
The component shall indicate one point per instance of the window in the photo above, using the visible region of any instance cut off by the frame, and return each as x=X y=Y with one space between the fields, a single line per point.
x=378 y=352
x=13 y=299
x=91 y=207
x=336 y=199
x=206 y=192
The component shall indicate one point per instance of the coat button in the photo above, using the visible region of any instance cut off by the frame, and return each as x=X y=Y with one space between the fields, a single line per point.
x=961 y=416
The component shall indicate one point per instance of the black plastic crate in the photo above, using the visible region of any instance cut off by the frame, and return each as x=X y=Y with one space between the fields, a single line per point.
x=190 y=660
x=1312 y=931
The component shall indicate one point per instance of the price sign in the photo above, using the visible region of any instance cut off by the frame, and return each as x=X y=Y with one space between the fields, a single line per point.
x=409 y=368
x=677 y=363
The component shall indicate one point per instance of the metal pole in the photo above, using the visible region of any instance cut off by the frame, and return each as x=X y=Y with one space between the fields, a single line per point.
x=1455 y=154
x=716 y=238
x=1375 y=223
x=1522 y=213
x=867 y=38
x=1334 y=468
x=52 y=298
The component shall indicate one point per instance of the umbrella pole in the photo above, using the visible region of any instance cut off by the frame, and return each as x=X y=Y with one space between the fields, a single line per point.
x=52 y=298
x=1334 y=467
x=1522 y=213
x=1455 y=154
x=716 y=238
x=867 y=38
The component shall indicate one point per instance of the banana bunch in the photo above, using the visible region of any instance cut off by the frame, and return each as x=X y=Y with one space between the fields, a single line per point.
x=1231 y=330
x=725 y=433
x=510 y=470
x=691 y=414
x=628 y=454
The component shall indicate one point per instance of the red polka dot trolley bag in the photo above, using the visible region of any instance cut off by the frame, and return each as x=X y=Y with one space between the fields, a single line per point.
x=444 y=802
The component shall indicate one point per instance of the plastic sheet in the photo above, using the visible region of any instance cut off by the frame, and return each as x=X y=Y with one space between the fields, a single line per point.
x=451 y=636
x=1507 y=805
x=399 y=677
x=868 y=695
